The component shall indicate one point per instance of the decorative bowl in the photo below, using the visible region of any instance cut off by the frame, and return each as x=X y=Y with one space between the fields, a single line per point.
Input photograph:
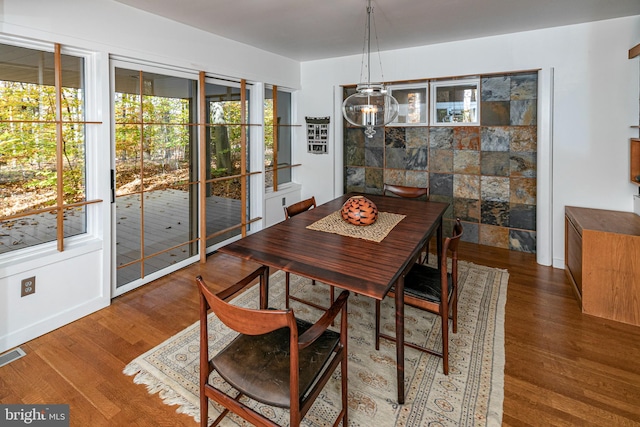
x=359 y=210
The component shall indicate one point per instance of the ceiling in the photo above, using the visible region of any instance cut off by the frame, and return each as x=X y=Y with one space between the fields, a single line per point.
x=306 y=30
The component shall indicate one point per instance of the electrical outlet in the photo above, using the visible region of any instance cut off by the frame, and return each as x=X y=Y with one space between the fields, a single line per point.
x=28 y=286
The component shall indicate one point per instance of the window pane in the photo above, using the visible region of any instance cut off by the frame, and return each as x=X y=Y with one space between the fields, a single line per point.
x=28 y=167
x=284 y=136
x=224 y=209
x=128 y=172
x=166 y=159
x=28 y=145
x=73 y=161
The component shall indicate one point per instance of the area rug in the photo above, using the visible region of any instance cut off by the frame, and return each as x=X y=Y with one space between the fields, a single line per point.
x=471 y=395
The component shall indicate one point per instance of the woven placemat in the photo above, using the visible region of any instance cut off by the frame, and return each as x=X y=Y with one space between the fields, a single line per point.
x=375 y=232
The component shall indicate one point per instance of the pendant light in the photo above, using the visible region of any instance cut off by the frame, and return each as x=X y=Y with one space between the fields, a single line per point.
x=370 y=107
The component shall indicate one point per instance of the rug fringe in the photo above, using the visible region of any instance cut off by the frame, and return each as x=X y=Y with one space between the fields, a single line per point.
x=166 y=394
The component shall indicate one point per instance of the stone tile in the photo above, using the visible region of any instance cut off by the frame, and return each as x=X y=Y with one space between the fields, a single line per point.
x=441 y=138
x=524 y=113
x=470 y=232
x=466 y=186
x=417 y=136
x=416 y=158
x=495 y=163
x=523 y=191
x=495 y=113
x=522 y=216
x=354 y=155
x=467 y=162
x=355 y=178
x=441 y=184
x=354 y=136
x=374 y=157
x=524 y=138
x=495 y=138
x=441 y=161
x=394 y=137
x=416 y=179
x=523 y=241
x=466 y=209
x=494 y=189
x=448 y=213
x=496 y=88
x=524 y=86
x=373 y=179
x=466 y=138
x=523 y=164
x=395 y=157
x=376 y=141
x=495 y=213
x=492 y=235
x=394 y=176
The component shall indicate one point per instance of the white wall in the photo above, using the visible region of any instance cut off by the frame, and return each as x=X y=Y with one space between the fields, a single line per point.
x=76 y=282
x=595 y=103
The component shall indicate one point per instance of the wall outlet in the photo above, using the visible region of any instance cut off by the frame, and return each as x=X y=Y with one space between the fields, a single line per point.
x=28 y=286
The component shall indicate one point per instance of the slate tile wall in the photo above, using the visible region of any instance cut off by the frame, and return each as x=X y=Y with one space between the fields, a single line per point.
x=487 y=173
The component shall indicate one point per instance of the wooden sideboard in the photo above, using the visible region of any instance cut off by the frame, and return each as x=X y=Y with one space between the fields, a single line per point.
x=602 y=260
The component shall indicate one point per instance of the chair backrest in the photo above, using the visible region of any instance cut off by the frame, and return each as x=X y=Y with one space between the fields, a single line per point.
x=406 y=192
x=299 y=207
x=451 y=245
x=243 y=320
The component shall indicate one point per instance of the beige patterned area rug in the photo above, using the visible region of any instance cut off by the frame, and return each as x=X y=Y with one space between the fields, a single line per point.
x=471 y=395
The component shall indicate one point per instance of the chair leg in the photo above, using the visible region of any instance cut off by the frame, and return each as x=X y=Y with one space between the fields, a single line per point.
x=444 y=316
x=286 y=289
x=455 y=311
x=377 y=324
x=204 y=409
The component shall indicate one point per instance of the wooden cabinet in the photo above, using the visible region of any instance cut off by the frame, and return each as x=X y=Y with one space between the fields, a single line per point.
x=602 y=260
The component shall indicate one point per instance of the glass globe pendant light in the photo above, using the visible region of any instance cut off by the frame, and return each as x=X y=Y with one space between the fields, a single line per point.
x=370 y=107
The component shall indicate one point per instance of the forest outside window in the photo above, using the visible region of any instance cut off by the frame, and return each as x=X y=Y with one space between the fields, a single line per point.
x=278 y=135
x=43 y=142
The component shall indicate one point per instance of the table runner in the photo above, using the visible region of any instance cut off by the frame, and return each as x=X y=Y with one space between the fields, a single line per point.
x=375 y=232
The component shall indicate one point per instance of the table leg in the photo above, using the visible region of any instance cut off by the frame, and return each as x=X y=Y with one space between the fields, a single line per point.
x=264 y=290
x=400 y=337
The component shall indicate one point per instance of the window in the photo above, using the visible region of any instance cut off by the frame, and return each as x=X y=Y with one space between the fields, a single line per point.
x=43 y=145
x=455 y=103
x=412 y=104
x=277 y=137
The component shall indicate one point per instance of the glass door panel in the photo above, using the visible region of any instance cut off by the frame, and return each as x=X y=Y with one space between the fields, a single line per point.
x=156 y=190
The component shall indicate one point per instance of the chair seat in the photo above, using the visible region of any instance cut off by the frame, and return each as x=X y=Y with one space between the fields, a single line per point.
x=264 y=379
x=423 y=282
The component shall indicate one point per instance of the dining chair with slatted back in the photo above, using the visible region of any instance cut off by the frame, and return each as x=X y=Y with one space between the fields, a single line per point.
x=410 y=193
x=434 y=290
x=290 y=211
x=276 y=359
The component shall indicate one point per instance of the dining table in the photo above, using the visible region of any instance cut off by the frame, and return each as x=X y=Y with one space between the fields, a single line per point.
x=355 y=261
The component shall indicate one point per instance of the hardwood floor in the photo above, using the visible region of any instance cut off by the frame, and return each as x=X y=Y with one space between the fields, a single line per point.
x=562 y=368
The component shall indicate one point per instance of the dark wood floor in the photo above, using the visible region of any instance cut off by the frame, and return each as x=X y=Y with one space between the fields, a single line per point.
x=562 y=367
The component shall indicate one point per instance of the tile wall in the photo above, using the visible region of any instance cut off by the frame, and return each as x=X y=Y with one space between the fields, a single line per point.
x=487 y=173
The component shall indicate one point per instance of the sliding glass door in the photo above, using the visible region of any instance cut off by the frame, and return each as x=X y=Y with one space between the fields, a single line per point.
x=155 y=191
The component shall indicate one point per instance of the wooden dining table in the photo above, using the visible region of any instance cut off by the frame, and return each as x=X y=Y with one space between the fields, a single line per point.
x=365 y=267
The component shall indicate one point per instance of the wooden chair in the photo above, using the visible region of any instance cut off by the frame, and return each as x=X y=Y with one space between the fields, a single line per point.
x=276 y=359
x=290 y=211
x=434 y=290
x=410 y=193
